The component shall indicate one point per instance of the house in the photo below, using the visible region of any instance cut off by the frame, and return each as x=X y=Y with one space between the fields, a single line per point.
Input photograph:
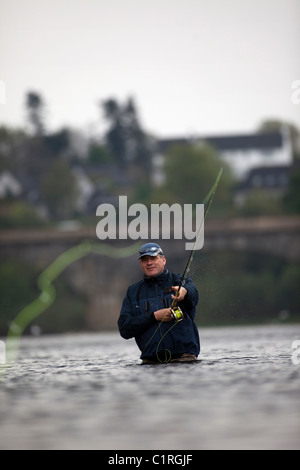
x=85 y=188
x=242 y=152
x=9 y=185
x=248 y=151
x=273 y=179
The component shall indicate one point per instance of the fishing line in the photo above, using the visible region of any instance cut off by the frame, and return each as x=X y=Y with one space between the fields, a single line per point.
x=48 y=292
x=208 y=201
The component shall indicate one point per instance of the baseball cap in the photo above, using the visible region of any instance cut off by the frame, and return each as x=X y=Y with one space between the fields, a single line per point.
x=150 y=249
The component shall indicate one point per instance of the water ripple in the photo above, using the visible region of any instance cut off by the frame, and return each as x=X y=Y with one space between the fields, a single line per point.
x=90 y=391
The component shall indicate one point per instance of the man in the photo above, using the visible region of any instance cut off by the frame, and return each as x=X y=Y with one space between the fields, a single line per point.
x=146 y=314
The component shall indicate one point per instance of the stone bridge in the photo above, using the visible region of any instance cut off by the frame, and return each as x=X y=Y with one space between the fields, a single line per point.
x=103 y=276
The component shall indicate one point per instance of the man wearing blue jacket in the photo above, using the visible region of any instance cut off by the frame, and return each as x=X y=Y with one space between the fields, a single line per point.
x=147 y=317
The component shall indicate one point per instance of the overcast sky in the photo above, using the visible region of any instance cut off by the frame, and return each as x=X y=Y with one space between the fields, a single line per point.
x=204 y=67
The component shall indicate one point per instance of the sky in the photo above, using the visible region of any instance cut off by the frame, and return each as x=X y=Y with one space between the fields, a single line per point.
x=193 y=67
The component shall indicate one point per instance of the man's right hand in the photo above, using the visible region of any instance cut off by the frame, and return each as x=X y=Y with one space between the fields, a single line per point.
x=163 y=315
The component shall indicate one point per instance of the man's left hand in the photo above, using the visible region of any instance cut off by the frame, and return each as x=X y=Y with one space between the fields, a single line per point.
x=182 y=292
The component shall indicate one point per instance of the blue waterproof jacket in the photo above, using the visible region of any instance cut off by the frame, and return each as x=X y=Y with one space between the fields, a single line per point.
x=160 y=340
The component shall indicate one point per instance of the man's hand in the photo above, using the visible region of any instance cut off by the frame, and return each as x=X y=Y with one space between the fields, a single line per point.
x=163 y=315
x=182 y=292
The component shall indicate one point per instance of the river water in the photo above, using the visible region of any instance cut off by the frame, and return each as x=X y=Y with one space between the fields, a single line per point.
x=89 y=391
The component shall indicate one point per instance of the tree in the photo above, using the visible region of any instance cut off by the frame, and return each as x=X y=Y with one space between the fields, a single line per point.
x=57 y=144
x=35 y=108
x=11 y=149
x=60 y=190
x=115 y=136
x=190 y=171
x=125 y=138
x=17 y=289
x=275 y=125
x=292 y=197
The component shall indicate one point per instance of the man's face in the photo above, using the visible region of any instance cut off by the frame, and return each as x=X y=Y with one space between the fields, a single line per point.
x=152 y=265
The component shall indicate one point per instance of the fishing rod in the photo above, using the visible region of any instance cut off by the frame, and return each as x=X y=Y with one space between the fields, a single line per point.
x=176 y=311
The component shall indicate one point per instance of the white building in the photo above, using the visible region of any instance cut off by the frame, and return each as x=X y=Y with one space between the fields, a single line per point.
x=245 y=152
x=9 y=185
x=242 y=152
x=85 y=188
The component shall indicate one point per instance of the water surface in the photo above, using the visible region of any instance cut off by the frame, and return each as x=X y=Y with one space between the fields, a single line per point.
x=89 y=391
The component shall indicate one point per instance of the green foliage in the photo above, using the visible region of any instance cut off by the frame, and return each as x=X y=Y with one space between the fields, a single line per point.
x=35 y=110
x=60 y=190
x=66 y=314
x=190 y=172
x=57 y=143
x=125 y=138
x=19 y=214
x=12 y=142
x=260 y=202
x=248 y=288
x=98 y=154
x=16 y=290
x=292 y=198
x=275 y=125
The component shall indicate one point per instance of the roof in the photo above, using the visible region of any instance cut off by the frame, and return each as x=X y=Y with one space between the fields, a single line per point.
x=247 y=141
x=232 y=142
x=267 y=177
x=9 y=185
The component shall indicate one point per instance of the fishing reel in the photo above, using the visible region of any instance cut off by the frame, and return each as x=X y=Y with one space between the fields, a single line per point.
x=177 y=314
